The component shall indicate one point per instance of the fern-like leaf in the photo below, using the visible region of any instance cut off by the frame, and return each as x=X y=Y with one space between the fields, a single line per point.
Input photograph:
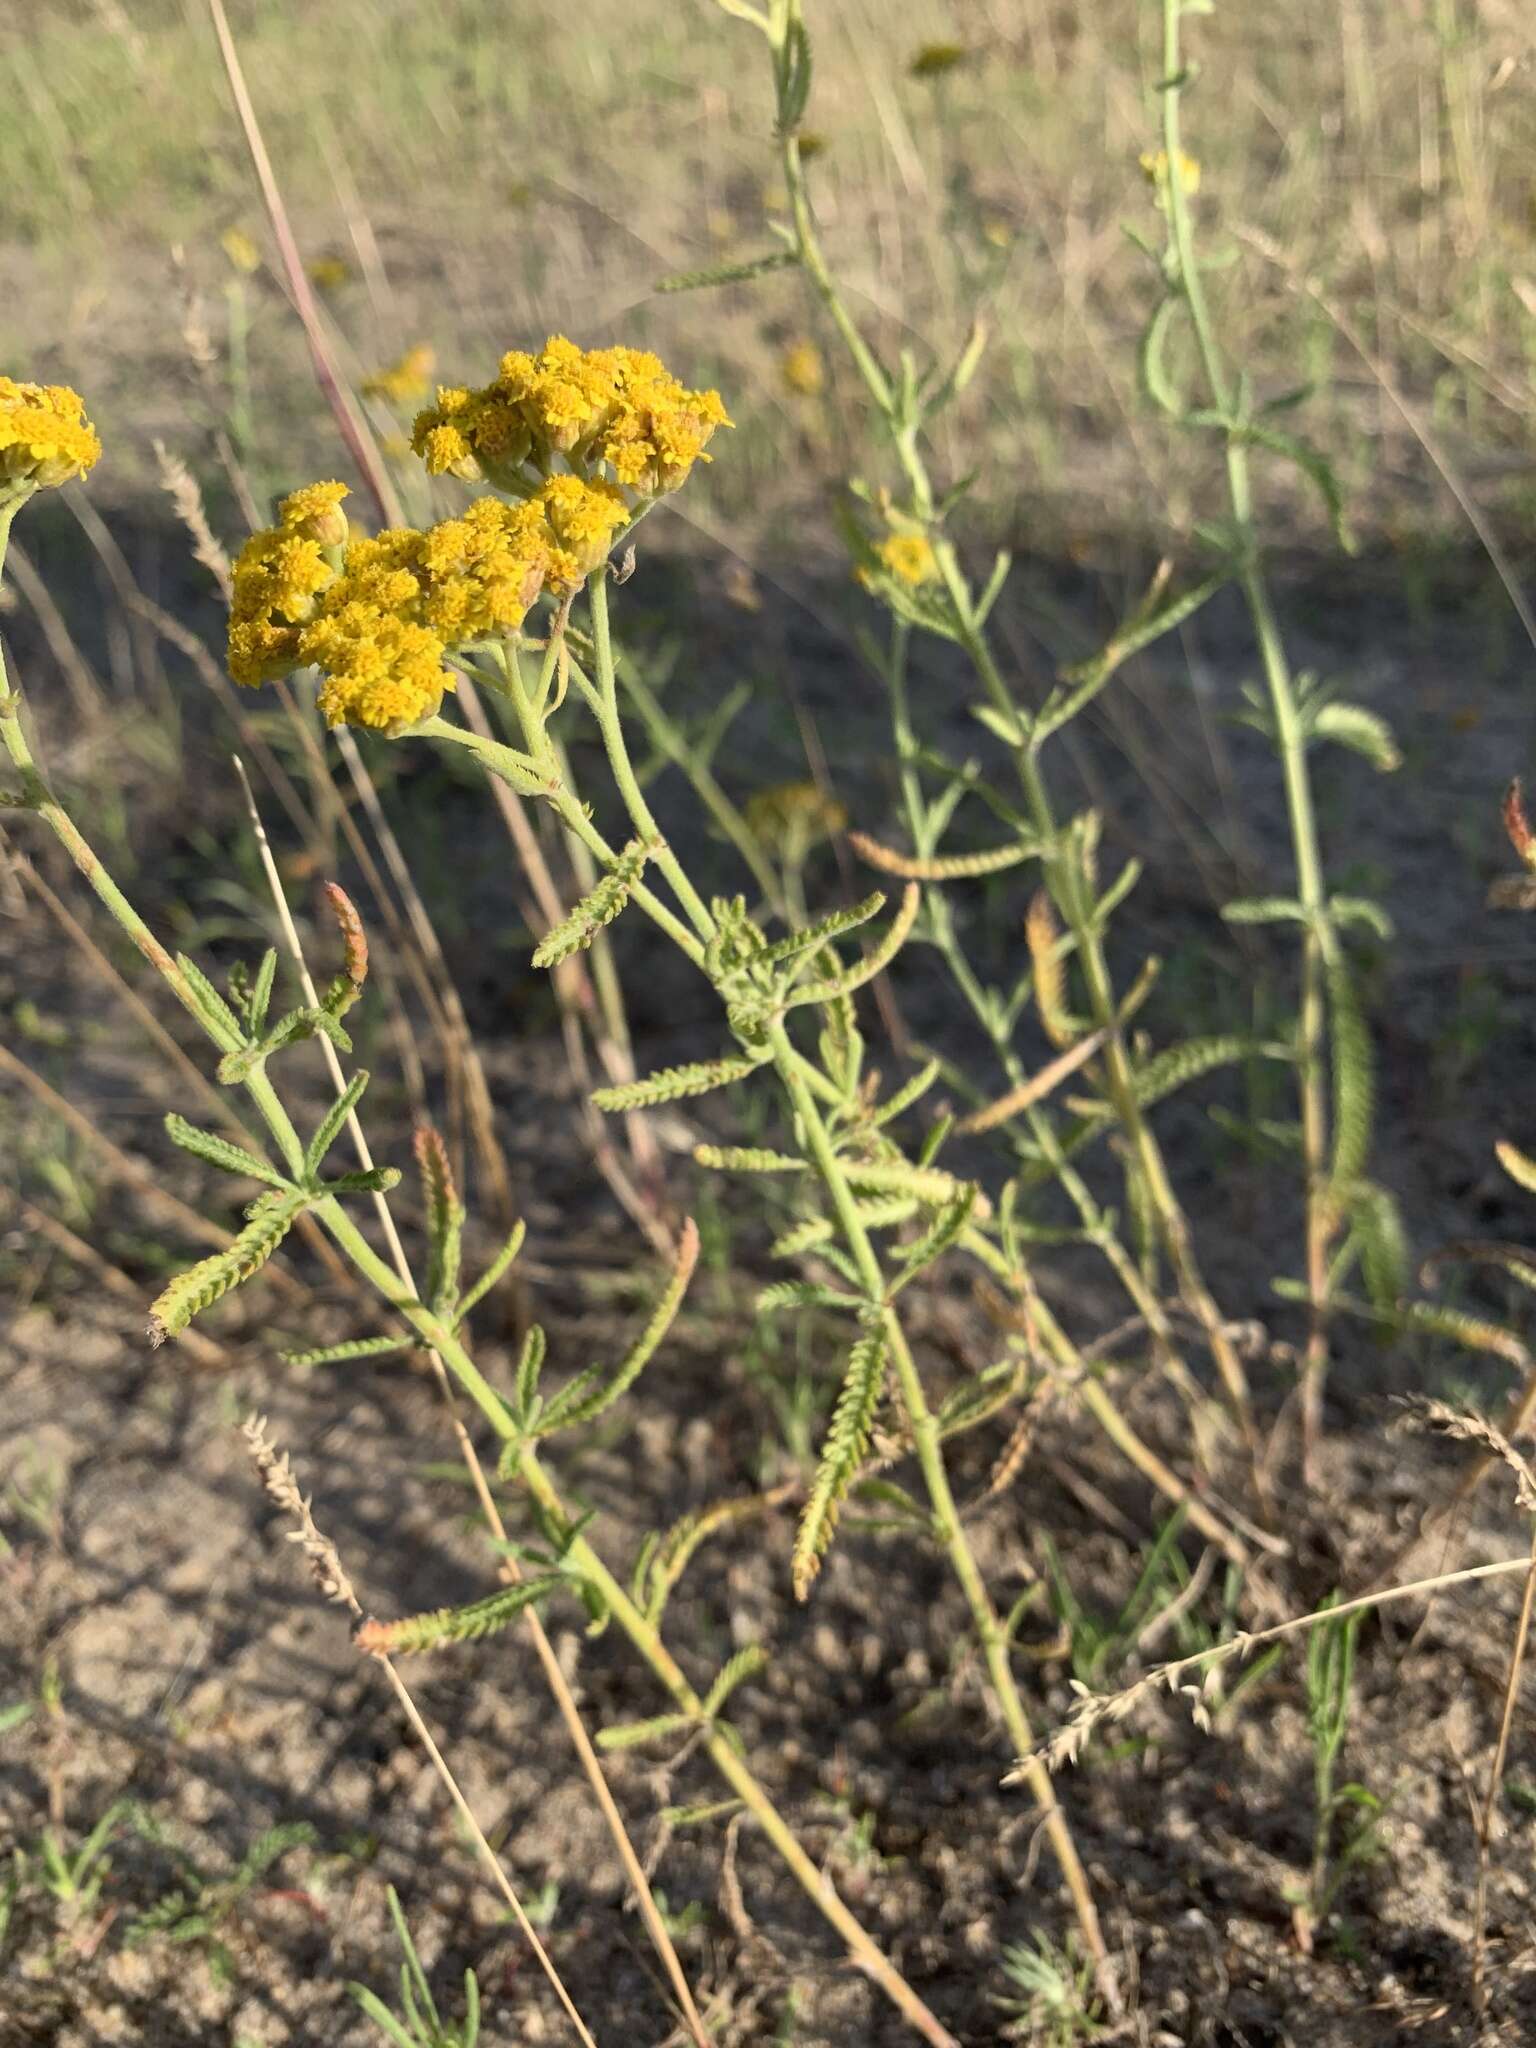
x=665 y=1562
x=456 y=1624
x=445 y=1217
x=272 y=1217
x=219 y=1019
x=512 y=1244
x=841 y=1455
x=896 y=936
x=564 y=1412
x=599 y=907
x=671 y=1084
x=1377 y=1223
x=815 y=1230
x=1354 y=1080
x=784 y=1294
x=220 y=1152
x=812 y=937
x=1050 y=977
x=727 y=273
x=330 y=1124
x=746 y=1159
x=344 y=1353
x=745 y=1664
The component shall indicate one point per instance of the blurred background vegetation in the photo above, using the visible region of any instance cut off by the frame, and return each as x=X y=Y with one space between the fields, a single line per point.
x=469 y=176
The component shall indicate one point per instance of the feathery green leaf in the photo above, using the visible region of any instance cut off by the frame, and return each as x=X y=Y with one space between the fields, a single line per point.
x=330 y=1124
x=457 y=1624
x=673 y=1083
x=271 y=1218
x=220 y=1152
x=841 y=1454
x=599 y=907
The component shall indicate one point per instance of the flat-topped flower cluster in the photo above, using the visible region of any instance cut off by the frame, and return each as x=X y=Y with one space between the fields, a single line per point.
x=617 y=410
x=45 y=437
x=579 y=442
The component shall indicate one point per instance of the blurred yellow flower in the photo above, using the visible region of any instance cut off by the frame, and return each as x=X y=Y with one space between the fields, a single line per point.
x=909 y=557
x=933 y=60
x=802 y=369
x=45 y=437
x=329 y=273
x=241 y=250
x=792 y=816
x=1154 y=168
x=409 y=378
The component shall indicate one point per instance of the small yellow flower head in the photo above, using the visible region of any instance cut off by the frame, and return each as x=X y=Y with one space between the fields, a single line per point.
x=582 y=519
x=934 y=60
x=279 y=575
x=909 y=557
x=380 y=671
x=241 y=250
x=480 y=573
x=1154 y=168
x=452 y=435
x=45 y=437
x=802 y=369
x=314 y=513
x=410 y=378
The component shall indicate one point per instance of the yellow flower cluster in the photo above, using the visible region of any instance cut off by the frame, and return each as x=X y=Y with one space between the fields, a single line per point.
x=279 y=575
x=45 y=437
x=379 y=615
x=380 y=669
x=617 y=409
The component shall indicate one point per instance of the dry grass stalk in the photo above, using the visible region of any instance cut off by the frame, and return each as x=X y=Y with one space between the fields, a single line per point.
x=1094 y=1710
x=330 y=1576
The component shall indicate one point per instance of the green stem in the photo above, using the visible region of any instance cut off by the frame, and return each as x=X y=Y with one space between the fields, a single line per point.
x=1319 y=942
x=675 y=745
x=1095 y=1398
x=623 y=769
x=948 y=1528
